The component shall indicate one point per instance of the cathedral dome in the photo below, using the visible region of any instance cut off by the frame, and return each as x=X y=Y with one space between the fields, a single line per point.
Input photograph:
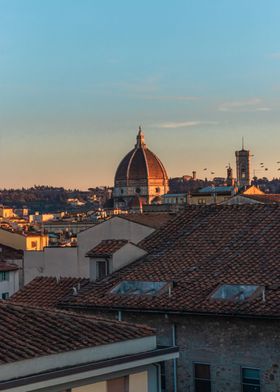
x=140 y=164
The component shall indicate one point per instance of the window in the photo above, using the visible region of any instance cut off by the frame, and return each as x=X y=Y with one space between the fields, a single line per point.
x=118 y=384
x=202 y=377
x=5 y=295
x=201 y=201
x=4 y=275
x=138 y=190
x=33 y=244
x=157 y=190
x=235 y=292
x=101 y=269
x=250 y=380
x=162 y=377
x=134 y=287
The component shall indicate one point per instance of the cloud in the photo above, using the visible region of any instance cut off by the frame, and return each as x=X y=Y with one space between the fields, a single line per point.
x=263 y=109
x=275 y=56
x=250 y=105
x=185 y=124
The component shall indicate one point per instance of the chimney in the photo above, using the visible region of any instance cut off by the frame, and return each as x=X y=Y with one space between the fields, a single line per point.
x=194 y=175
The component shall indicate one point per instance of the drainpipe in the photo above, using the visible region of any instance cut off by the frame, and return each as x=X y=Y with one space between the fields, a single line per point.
x=174 y=360
x=158 y=370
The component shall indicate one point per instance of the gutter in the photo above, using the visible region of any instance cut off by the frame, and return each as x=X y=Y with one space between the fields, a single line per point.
x=164 y=311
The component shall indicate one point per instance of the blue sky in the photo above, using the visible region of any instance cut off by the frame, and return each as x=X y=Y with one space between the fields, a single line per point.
x=78 y=77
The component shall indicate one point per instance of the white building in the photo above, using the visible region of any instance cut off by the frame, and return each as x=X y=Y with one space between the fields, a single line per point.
x=73 y=262
x=90 y=355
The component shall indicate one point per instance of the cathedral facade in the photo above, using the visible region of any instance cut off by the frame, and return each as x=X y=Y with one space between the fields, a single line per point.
x=140 y=177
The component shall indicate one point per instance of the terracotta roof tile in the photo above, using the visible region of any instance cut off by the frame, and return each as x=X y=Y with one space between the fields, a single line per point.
x=198 y=250
x=47 y=291
x=29 y=332
x=152 y=219
x=106 y=248
x=268 y=198
x=8 y=253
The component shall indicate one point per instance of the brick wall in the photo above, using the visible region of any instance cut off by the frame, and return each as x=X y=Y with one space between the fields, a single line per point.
x=226 y=344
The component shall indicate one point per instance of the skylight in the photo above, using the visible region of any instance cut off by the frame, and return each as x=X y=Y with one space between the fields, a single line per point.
x=235 y=292
x=138 y=287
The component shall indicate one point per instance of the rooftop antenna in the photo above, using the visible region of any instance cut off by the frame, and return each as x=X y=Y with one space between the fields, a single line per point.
x=242 y=142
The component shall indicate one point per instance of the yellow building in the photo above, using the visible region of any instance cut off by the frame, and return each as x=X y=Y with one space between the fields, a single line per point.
x=23 y=241
x=6 y=212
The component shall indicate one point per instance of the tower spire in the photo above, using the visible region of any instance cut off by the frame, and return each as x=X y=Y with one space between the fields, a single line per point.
x=242 y=142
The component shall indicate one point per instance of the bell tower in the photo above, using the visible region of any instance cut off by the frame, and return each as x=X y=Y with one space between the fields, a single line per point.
x=243 y=166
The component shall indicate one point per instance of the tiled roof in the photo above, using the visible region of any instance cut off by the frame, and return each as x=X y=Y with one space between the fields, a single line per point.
x=106 y=248
x=269 y=198
x=197 y=251
x=216 y=189
x=150 y=219
x=46 y=291
x=8 y=253
x=29 y=332
x=7 y=266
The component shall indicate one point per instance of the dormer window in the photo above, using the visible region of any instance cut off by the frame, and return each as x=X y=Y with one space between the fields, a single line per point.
x=110 y=255
x=102 y=269
x=236 y=292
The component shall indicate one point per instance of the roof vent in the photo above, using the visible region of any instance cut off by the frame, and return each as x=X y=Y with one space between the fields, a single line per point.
x=75 y=291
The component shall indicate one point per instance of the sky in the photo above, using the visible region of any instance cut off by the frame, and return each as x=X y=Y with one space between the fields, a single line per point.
x=77 y=78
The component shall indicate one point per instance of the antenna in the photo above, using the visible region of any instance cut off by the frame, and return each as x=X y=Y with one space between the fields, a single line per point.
x=242 y=142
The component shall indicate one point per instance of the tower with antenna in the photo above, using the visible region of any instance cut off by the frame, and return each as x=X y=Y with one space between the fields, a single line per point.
x=243 y=166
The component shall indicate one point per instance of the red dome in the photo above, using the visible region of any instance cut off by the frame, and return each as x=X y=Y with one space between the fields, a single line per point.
x=140 y=164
